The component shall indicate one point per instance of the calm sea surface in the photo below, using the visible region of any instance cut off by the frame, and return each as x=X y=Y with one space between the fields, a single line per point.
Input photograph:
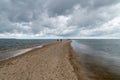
x=18 y=43
x=101 y=52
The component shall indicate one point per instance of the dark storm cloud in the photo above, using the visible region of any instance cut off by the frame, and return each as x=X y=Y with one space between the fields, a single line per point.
x=57 y=17
x=25 y=10
x=94 y=4
x=59 y=7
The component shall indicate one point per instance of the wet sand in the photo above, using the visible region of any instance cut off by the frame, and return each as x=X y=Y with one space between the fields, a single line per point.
x=52 y=62
x=17 y=52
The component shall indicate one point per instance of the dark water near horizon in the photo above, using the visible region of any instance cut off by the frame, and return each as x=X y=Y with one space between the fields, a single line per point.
x=19 y=43
x=104 y=53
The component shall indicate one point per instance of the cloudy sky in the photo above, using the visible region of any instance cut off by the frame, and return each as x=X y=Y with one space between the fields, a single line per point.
x=59 y=18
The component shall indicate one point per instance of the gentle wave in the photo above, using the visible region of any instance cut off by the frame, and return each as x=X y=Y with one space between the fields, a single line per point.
x=10 y=54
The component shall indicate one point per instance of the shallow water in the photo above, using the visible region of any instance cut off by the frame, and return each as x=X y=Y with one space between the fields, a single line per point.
x=6 y=44
x=11 y=54
x=102 y=55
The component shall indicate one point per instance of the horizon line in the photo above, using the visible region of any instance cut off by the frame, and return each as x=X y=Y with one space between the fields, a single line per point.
x=67 y=38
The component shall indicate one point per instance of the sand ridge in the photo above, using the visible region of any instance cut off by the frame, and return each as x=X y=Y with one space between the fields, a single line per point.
x=52 y=62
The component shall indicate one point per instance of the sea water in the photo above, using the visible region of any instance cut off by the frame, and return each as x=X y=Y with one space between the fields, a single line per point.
x=103 y=52
x=19 y=43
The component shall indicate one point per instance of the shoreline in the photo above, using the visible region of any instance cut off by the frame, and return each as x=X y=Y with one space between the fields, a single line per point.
x=24 y=47
x=17 y=48
x=23 y=50
x=16 y=52
x=53 y=61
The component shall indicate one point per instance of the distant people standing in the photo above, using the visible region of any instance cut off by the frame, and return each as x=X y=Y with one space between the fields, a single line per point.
x=59 y=40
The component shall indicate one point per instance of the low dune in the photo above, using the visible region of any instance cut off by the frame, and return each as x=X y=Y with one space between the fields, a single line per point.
x=54 y=61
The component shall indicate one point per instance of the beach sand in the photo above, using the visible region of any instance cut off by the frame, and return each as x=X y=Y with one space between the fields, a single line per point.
x=54 y=61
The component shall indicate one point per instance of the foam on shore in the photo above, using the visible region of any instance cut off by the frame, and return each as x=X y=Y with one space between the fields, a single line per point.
x=11 y=54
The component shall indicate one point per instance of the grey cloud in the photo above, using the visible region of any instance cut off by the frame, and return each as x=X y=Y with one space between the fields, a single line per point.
x=95 y=4
x=86 y=19
x=99 y=3
x=89 y=15
x=60 y=7
x=28 y=10
x=24 y=10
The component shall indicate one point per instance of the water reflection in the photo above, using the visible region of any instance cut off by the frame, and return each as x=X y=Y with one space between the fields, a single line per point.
x=103 y=65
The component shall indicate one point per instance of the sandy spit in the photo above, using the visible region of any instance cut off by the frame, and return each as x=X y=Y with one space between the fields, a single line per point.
x=54 y=61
